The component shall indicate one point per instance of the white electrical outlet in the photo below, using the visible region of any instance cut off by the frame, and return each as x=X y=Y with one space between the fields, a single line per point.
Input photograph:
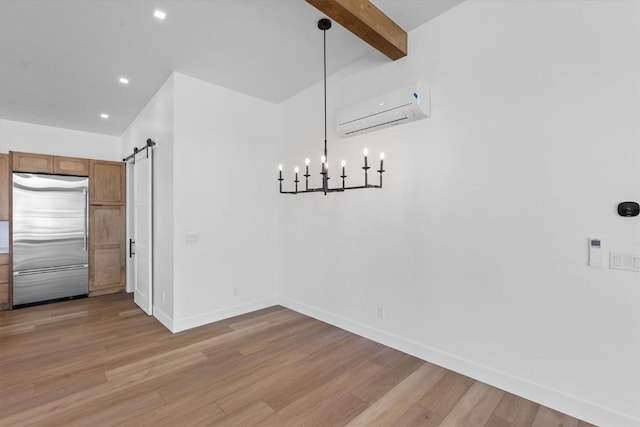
x=191 y=238
x=380 y=313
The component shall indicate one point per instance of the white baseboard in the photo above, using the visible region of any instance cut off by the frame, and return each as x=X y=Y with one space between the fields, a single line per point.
x=163 y=318
x=221 y=314
x=554 y=399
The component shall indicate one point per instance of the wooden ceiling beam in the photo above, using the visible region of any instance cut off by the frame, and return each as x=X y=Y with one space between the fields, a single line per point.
x=366 y=21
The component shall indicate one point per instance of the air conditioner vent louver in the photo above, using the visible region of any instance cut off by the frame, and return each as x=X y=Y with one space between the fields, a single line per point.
x=399 y=106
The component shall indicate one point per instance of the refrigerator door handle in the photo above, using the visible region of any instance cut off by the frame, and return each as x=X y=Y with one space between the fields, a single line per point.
x=50 y=269
x=85 y=237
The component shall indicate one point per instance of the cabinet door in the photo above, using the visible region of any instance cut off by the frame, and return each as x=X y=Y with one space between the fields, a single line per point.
x=108 y=250
x=4 y=187
x=29 y=162
x=4 y=281
x=107 y=181
x=70 y=166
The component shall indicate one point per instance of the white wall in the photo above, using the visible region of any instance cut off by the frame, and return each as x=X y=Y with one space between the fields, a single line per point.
x=33 y=138
x=224 y=156
x=209 y=185
x=476 y=248
x=156 y=121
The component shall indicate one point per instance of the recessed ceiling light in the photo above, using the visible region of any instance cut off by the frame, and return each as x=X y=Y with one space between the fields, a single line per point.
x=104 y=116
x=159 y=14
x=124 y=80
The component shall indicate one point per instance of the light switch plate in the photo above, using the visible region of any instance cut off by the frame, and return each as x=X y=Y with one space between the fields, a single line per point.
x=624 y=261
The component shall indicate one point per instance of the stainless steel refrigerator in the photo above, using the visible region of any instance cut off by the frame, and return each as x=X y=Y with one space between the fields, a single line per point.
x=50 y=237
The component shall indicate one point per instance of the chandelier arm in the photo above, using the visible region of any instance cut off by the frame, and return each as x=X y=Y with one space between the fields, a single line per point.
x=332 y=190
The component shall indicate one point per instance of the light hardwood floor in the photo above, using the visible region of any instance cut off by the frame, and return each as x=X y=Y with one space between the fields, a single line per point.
x=101 y=362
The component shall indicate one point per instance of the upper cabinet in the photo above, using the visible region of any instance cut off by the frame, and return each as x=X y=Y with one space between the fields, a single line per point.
x=4 y=187
x=34 y=163
x=108 y=182
x=43 y=163
x=70 y=166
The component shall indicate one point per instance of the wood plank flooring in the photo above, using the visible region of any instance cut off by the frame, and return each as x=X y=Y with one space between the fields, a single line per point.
x=102 y=362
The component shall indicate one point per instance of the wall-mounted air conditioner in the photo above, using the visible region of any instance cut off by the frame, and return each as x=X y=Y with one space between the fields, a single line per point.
x=403 y=105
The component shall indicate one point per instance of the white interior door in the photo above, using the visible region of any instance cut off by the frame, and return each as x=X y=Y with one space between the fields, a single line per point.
x=142 y=230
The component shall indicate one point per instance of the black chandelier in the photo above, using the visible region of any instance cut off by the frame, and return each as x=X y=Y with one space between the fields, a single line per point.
x=324 y=24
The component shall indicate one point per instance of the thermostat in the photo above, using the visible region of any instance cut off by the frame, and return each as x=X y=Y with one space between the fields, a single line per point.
x=628 y=209
x=595 y=252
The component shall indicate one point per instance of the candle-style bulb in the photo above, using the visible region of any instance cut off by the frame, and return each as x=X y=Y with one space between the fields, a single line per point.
x=323 y=158
x=306 y=161
x=343 y=163
x=366 y=151
x=381 y=156
x=280 y=167
x=296 y=169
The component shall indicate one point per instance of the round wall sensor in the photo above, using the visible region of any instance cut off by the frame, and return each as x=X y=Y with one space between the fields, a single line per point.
x=628 y=209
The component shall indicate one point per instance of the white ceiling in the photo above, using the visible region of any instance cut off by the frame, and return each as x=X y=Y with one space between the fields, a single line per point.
x=60 y=60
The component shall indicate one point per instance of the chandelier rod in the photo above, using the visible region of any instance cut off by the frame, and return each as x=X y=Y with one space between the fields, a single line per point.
x=324 y=34
x=324 y=24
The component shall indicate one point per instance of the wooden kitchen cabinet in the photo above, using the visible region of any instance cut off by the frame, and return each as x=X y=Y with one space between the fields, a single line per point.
x=107 y=249
x=5 y=182
x=4 y=281
x=34 y=163
x=43 y=163
x=107 y=224
x=70 y=166
x=107 y=182
x=4 y=187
